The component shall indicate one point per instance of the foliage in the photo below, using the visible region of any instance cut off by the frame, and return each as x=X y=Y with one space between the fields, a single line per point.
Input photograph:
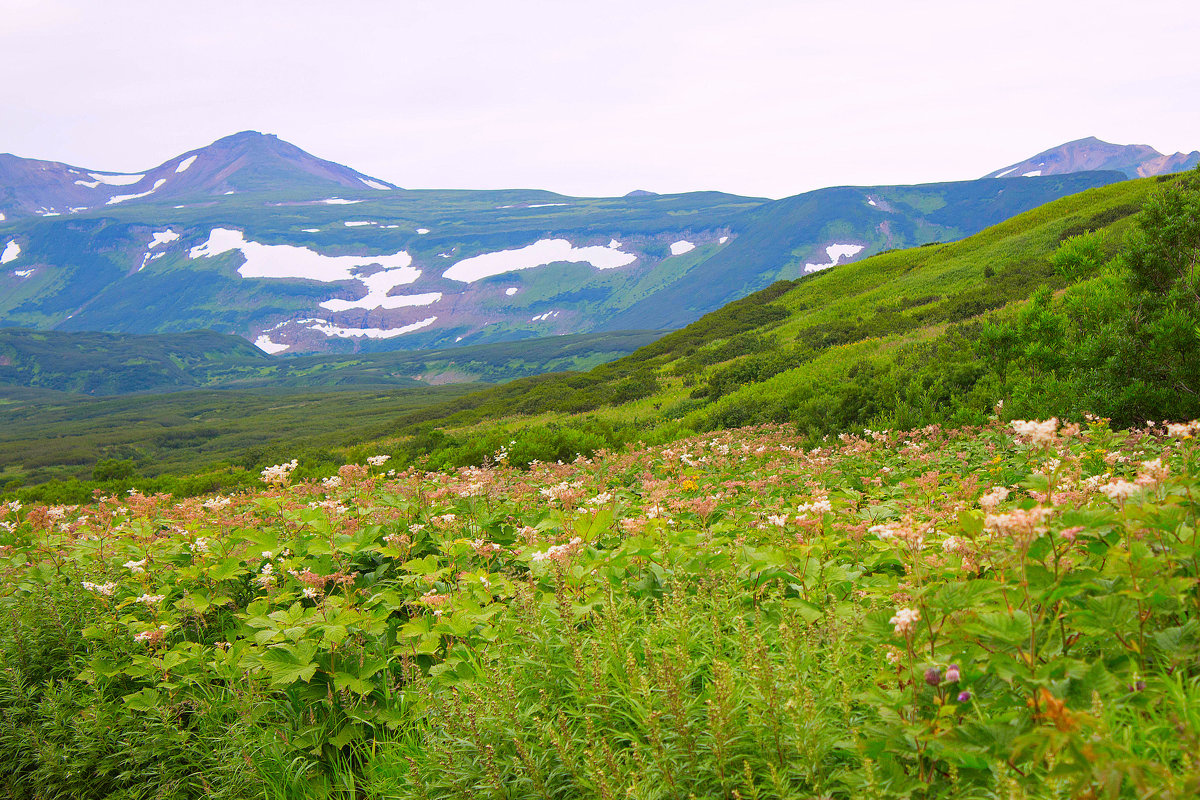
x=880 y=616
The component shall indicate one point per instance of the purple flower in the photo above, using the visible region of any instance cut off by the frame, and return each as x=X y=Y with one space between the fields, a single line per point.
x=964 y=697
x=952 y=674
x=933 y=676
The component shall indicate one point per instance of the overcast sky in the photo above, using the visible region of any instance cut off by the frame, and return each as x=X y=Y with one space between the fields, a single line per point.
x=757 y=97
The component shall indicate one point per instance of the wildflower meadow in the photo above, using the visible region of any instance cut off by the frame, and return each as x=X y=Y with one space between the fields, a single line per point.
x=999 y=611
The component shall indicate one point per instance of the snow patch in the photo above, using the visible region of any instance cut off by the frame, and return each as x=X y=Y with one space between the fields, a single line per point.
x=544 y=317
x=725 y=239
x=88 y=184
x=11 y=251
x=378 y=286
x=681 y=247
x=376 y=185
x=358 y=223
x=510 y=291
x=290 y=261
x=116 y=180
x=538 y=254
x=337 y=201
x=546 y=205
x=835 y=252
x=422 y=231
x=265 y=344
x=162 y=237
x=121 y=198
x=389 y=227
x=2 y=217
x=613 y=243
x=1006 y=172
x=187 y=162
x=310 y=230
x=1033 y=174
x=51 y=214
x=147 y=258
x=329 y=329
x=23 y=273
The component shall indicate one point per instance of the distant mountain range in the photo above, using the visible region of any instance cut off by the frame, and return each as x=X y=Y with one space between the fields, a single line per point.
x=1135 y=160
x=255 y=237
x=243 y=162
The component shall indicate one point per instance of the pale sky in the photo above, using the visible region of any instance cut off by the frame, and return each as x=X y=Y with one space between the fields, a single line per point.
x=757 y=97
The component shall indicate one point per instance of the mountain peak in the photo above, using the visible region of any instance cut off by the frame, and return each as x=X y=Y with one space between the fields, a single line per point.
x=247 y=161
x=1091 y=153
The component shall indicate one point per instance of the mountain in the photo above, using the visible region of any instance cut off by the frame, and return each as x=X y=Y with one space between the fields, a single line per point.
x=1134 y=160
x=244 y=162
x=252 y=236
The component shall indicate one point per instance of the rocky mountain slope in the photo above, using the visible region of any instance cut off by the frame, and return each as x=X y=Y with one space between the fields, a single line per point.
x=1135 y=160
x=254 y=237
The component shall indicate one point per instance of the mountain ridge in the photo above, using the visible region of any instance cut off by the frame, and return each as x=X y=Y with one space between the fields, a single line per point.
x=1090 y=153
x=247 y=161
x=253 y=236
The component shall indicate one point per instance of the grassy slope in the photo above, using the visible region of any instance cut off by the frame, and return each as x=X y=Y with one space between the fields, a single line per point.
x=61 y=436
x=1016 y=251
x=652 y=388
x=109 y=364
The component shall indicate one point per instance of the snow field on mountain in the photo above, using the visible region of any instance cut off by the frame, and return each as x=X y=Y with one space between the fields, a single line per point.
x=291 y=261
x=162 y=237
x=121 y=198
x=538 y=254
x=835 y=252
x=378 y=286
x=265 y=344
x=114 y=180
x=187 y=162
x=681 y=247
x=11 y=251
x=329 y=329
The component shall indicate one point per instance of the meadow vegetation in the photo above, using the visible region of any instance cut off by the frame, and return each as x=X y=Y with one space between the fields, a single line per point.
x=922 y=526
x=999 y=611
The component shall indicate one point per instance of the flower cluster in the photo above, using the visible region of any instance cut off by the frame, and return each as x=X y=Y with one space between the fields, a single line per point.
x=1037 y=432
x=280 y=474
x=904 y=619
x=558 y=552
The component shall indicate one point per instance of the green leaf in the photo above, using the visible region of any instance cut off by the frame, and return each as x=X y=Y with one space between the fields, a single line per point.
x=287 y=664
x=144 y=700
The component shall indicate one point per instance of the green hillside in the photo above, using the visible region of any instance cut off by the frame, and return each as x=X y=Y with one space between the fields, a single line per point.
x=1040 y=313
x=95 y=363
x=905 y=338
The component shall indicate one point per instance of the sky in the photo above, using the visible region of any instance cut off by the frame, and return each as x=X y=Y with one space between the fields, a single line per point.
x=756 y=97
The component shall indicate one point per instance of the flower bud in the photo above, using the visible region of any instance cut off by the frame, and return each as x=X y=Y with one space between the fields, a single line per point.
x=964 y=697
x=933 y=676
x=952 y=674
